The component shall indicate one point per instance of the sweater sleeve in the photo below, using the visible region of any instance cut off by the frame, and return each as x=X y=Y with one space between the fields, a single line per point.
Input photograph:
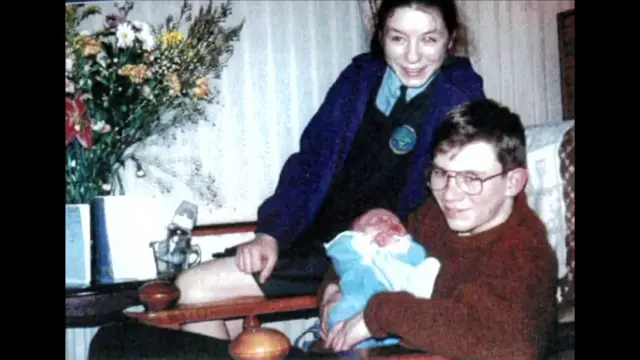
x=505 y=313
x=305 y=173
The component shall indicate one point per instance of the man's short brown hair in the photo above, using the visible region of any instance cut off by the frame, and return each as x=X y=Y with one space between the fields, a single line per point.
x=484 y=120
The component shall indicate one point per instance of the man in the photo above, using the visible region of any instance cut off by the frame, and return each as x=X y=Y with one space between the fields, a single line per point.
x=494 y=295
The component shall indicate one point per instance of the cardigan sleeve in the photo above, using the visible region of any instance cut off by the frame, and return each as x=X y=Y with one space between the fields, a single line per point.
x=306 y=174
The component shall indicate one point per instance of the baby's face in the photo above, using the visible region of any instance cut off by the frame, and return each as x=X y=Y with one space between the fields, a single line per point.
x=385 y=224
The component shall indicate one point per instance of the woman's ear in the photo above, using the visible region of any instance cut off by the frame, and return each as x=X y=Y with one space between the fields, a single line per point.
x=516 y=181
x=452 y=41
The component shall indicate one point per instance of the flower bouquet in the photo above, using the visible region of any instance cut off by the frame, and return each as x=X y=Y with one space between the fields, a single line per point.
x=130 y=81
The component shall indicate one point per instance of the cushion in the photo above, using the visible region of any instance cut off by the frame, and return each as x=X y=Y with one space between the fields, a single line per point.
x=545 y=188
x=567 y=169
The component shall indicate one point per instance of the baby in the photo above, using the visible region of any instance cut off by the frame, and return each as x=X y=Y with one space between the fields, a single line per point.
x=377 y=255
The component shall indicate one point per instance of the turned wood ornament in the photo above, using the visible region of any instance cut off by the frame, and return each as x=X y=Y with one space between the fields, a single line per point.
x=158 y=295
x=258 y=343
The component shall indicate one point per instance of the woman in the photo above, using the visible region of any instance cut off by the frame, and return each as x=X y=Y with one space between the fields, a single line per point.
x=366 y=147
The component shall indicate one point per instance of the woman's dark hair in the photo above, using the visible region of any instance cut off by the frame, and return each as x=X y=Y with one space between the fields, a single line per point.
x=447 y=9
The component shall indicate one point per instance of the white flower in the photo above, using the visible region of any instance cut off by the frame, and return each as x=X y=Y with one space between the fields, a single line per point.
x=148 y=41
x=125 y=35
x=147 y=93
x=101 y=127
x=69 y=64
x=145 y=35
x=102 y=59
x=69 y=87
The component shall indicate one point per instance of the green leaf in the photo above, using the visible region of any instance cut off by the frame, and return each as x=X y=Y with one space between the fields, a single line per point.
x=89 y=11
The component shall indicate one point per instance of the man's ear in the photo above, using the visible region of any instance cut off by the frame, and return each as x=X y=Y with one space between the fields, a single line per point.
x=516 y=181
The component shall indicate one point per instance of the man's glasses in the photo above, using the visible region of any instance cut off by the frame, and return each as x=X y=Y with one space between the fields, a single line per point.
x=471 y=184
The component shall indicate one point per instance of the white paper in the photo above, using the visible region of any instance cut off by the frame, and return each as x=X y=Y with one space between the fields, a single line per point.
x=77 y=245
x=132 y=223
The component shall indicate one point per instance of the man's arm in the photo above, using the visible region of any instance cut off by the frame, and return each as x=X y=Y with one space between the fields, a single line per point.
x=505 y=314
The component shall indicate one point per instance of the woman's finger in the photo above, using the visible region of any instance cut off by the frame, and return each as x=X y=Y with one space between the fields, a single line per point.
x=240 y=259
x=246 y=259
x=256 y=260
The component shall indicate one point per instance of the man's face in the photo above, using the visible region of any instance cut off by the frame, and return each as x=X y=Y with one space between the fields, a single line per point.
x=470 y=214
x=415 y=43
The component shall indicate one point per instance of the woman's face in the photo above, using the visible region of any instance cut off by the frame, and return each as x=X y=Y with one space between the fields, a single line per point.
x=415 y=43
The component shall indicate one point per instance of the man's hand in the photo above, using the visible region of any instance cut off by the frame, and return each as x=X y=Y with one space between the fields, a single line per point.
x=346 y=334
x=331 y=295
x=258 y=255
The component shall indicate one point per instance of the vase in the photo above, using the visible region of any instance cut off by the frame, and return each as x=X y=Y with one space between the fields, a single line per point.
x=78 y=245
x=124 y=228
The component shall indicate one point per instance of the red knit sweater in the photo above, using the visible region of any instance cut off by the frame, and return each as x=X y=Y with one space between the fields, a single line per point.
x=494 y=297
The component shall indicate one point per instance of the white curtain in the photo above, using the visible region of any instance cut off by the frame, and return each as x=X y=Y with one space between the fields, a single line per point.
x=288 y=55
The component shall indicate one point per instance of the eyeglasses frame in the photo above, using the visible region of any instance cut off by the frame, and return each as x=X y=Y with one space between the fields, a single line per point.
x=456 y=175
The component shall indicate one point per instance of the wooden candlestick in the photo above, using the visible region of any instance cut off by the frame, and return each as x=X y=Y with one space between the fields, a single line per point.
x=158 y=295
x=258 y=343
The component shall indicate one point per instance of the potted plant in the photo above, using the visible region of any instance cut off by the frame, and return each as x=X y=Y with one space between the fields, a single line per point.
x=127 y=82
x=130 y=80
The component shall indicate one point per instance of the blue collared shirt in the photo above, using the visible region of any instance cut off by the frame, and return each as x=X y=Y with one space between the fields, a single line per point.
x=390 y=90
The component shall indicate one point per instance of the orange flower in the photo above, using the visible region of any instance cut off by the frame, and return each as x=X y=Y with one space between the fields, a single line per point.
x=174 y=84
x=126 y=70
x=200 y=91
x=202 y=82
x=202 y=87
x=89 y=45
x=139 y=73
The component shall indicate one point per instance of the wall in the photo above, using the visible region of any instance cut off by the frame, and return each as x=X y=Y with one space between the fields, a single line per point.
x=516 y=51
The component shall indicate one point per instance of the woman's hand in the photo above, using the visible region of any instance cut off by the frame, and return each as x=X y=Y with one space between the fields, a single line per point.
x=347 y=333
x=331 y=295
x=258 y=255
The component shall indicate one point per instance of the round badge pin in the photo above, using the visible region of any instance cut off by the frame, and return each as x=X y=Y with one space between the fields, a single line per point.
x=403 y=139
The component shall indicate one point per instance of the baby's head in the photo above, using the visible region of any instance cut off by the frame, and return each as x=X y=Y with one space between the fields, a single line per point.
x=385 y=224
